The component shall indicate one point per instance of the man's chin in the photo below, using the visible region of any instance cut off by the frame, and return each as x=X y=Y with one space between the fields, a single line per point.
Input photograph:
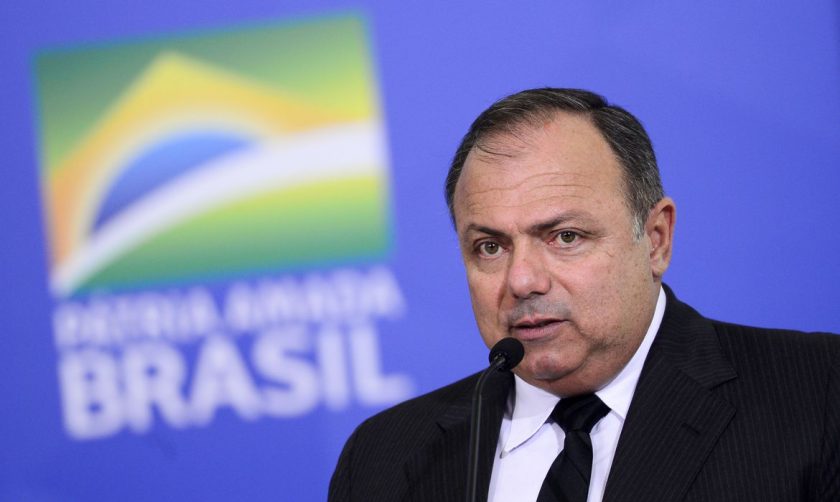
x=542 y=375
x=561 y=378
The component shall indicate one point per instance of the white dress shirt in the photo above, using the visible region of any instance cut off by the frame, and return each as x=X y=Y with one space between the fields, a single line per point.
x=528 y=444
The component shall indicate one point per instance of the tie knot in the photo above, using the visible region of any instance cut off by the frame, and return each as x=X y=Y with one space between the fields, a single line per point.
x=579 y=413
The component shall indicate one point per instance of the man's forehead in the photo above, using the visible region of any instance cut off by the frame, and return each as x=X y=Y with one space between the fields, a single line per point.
x=564 y=140
x=491 y=190
x=561 y=165
x=539 y=171
x=527 y=177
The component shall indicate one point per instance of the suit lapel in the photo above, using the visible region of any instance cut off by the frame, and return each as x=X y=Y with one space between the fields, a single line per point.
x=438 y=472
x=675 y=418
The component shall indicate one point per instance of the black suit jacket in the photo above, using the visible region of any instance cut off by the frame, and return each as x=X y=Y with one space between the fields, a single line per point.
x=721 y=412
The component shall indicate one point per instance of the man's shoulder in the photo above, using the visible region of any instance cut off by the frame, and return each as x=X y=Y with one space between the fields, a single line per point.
x=743 y=343
x=757 y=337
x=384 y=441
x=748 y=357
x=424 y=408
x=785 y=352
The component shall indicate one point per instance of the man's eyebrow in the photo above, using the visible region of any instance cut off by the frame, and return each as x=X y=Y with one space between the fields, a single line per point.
x=472 y=227
x=536 y=228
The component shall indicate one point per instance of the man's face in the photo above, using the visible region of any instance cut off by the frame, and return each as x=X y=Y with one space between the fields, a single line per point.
x=550 y=255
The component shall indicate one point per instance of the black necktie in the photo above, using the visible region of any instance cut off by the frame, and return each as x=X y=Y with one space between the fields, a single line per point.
x=568 y=478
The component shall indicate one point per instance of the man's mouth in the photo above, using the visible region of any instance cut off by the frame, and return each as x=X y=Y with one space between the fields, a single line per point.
x=534 y=329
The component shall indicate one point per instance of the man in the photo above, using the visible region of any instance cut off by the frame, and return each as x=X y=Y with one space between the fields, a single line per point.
x=566 y=234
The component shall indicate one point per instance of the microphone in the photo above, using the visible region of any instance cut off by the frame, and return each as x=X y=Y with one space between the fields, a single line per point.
x=504 y=356
x=509 y=351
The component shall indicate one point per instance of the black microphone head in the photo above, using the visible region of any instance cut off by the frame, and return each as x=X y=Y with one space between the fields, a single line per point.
x=511 y=350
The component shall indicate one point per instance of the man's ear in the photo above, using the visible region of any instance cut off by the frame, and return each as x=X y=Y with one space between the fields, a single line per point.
x=660 y=230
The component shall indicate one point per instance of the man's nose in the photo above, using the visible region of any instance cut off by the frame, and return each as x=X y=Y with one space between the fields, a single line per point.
x=527 y=275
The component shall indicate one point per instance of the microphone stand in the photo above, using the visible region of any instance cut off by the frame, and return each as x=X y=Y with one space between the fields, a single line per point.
x=475 y=423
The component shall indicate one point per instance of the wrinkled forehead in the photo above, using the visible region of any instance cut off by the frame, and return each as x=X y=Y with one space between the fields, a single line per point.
x=562 y=164
x=565 y=156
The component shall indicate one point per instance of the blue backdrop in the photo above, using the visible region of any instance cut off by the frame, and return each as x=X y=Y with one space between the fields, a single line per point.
x=741 y=100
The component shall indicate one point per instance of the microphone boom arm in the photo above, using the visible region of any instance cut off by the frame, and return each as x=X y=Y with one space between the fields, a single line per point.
x=504 y=356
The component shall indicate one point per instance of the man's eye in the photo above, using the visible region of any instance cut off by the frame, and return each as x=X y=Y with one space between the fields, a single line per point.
x=566 y=237
x=489 y=248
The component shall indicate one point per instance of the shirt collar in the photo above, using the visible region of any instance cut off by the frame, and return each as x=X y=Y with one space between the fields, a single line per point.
x=531 y=405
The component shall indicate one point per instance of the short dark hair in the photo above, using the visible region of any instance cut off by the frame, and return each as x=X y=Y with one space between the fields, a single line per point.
x=623 y=132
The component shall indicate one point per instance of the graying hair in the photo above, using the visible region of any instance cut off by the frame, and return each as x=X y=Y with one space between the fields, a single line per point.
x=622 y=131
